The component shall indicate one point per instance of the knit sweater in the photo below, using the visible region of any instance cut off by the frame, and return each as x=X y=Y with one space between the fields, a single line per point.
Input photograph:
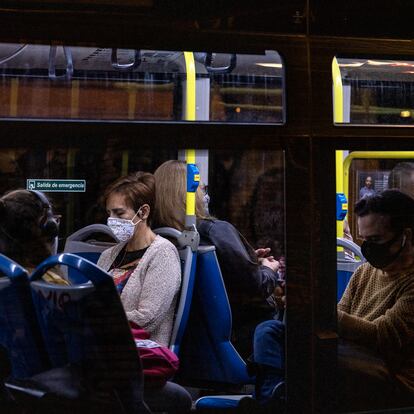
x=150 y=294
x=377 y=311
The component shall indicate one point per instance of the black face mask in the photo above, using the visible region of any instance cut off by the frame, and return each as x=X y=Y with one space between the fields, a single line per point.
x=378 y=255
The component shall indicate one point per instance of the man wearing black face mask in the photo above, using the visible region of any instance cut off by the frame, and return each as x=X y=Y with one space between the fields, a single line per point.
x=376 y=312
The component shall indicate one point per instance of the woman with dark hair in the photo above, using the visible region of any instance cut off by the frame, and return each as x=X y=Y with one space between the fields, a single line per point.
x=28 y=230
x=145 y=267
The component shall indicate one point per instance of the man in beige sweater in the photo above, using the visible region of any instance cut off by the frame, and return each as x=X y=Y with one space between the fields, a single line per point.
x=375 y=317
x=376 y=312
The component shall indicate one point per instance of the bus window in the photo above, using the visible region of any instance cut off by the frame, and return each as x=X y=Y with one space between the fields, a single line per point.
x=373 y=91
x=370 y=270
x=245 y=188
x=368 y=173
x=65 y=82
x=251 y=92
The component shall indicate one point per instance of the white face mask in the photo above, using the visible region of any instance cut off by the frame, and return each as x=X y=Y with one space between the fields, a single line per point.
x=123 y=228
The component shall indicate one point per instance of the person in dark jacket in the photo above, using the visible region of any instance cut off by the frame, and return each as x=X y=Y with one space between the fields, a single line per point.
x=250 y=276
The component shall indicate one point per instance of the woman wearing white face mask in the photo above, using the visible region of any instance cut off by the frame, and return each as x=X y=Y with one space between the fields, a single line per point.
x=145 y=267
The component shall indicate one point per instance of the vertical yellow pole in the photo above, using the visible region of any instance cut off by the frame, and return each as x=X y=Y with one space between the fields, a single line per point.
x=339 y=187
x=190 y=96
x=338 y=106
x=190 y=115
x=190 y=199
x=338 y=93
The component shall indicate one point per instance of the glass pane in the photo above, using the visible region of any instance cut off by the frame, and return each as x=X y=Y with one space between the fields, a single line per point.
x=251 y=92
x=372 y=291
x=245 y=188
x=373 y=92
x=56 y=82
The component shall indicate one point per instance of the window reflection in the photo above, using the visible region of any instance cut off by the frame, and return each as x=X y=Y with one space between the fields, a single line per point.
x=376 y=92
x=65 y=82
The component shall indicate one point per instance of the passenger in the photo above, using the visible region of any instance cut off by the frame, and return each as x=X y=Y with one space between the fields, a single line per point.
x=402 y=178
x=375 y=314
x=29 y=230
x=367 y=190
x=145 y=267
x=249 y=276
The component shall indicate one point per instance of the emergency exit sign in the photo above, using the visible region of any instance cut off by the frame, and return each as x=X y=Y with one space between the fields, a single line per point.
x=56 y=186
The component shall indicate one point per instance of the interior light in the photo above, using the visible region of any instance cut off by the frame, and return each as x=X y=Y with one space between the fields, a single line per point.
x=403 y=64
x=405 y=114
x=383 y=63
x=270 y=65
x=351 y=65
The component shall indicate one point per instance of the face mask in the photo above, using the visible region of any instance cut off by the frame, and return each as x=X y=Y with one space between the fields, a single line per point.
x=206 y=200
x=378 y=255
x=123 y=228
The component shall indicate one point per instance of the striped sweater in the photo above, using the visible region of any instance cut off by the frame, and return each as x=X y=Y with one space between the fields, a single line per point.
x=377 y=311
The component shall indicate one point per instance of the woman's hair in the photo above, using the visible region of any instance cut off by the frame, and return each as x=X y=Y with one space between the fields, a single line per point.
x=22 y=232
x=171 y=186
x=138 y=188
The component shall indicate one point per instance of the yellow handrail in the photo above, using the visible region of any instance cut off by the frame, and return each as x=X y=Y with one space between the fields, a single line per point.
x=190 y=115
x=339 y=157
x=190 y=104
x=367 y=155
x=338 y=94
x=338 y=105
x=190 y=203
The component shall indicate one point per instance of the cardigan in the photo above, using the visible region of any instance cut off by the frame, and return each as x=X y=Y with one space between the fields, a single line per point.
x=150 y=295
x=377 y=311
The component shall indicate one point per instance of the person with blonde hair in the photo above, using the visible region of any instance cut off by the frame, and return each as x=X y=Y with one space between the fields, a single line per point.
x=249 y=277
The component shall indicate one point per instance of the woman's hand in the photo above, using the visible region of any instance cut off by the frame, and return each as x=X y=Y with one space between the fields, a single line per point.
x=262 y=252
x=270 y=262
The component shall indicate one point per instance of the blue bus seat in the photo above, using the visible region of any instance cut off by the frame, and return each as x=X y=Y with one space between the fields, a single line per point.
x=188 y=260
x=207 y=354
x=82 y=245
x=219 y=402
x=88 y=340
x=346 y=265
x=19 y=330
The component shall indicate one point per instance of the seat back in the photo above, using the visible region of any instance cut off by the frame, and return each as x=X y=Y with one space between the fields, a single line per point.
x=207 y=355
x=346 y=265
x=188 y=260
x=19 y=331
x=82 y=245
x=86 y=325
